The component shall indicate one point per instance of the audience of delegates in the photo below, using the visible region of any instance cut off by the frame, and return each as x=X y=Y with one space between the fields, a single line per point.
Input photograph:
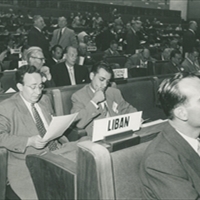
x=63 y=36
x=96 y=100
x=21 y=133
x=68 y=72
x=191 y=62
x=36 y=58
x=170 y=164
x=113 y=50
x=174 y=65
x=139 y=60
x=36 y=37
x=189 y=38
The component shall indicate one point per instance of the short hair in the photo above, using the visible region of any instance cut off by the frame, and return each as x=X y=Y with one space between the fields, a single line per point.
x=36 y=17
x=104 y=65
x=67 y=48
x=32 y=50
x=113 y=42
x=24 y=47
x=174 y=52
x=170 y=95
x=55 y=46
x=30 y=69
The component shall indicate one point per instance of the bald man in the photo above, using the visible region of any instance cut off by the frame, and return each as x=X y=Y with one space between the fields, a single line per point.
x=63 y=36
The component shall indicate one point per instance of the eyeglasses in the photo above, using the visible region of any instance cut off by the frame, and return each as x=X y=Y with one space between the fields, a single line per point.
x=33 y=87
x=41 y=59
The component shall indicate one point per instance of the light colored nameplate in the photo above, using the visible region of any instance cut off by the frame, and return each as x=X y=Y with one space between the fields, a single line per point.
x=113 y=125
x=120 y=73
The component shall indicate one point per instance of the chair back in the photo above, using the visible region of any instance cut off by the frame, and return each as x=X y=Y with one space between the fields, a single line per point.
x=54 y=176
x=3 y=172
x=112 y=175
x=121 y=60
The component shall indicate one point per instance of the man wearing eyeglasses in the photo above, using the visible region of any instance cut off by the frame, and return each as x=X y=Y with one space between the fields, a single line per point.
x=36 y=58
x=19 y=130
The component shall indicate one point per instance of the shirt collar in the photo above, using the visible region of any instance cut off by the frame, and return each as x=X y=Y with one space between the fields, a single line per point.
x=193 y=142
x=92 y=88
x=191 y=30
x=38 y=29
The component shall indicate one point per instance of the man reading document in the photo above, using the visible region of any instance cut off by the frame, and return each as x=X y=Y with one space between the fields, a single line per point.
x=96 y=100
x=24 y=118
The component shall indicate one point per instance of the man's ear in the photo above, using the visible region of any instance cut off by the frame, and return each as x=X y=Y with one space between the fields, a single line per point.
x=19 y=86
x=181 y=113
x=91 y=76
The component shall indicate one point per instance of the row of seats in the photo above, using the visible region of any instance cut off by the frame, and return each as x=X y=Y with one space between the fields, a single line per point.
x=140 y=92
x=93 y=172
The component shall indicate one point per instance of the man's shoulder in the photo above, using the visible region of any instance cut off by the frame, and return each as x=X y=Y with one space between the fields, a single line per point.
x=11 y=101
x=81 y=92
x=68 y=30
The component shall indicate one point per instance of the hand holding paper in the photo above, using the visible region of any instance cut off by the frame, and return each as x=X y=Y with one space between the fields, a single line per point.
x=58 y=125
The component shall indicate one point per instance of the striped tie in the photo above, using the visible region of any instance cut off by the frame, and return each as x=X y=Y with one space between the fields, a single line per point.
x=40 y=126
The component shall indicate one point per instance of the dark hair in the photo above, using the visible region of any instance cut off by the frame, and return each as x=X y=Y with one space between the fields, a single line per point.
x=174 y=52
x=104 y=65
x=55 y=46
x=30 y=69
x=24 y=47
x=170 y=95
x=113 y=42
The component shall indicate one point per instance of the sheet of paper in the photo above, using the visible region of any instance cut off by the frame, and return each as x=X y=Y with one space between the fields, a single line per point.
x=58 y=125
x=10 y=90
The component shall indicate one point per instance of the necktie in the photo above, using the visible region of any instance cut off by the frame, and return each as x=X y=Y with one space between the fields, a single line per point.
x=60 y=35
x=105 y=111
x=40 y=126
x=71 y=71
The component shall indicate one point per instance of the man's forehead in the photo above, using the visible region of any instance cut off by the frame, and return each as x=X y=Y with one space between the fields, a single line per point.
x=103 y=72
x=33 y=78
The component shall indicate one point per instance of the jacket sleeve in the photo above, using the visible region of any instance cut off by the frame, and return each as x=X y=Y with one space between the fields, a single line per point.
x=86 y=112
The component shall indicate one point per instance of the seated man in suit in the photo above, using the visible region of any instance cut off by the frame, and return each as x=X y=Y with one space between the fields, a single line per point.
x=96 y=100
x=113 y=50
x=191 y=62
x=170 y=167
x=174 y=65
x=24 y=118
x=36 y=58
x=14 y=64
x=139 y=60
x=56 y=56
x=68 y=72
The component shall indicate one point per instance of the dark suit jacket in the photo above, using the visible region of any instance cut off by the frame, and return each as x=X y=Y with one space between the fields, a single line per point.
x=68 y=38
x=50 y=63
x=16 y=125
x=61 y=76
x=81 y=101
x=108 y=53
x=189 y=41
x=170 y=168
x=37 y=38
x=169 y=68
x=189 y=67
x=133 y=42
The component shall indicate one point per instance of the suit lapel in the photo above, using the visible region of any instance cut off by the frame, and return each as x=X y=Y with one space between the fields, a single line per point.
x=25 y=116
x=182 y=147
